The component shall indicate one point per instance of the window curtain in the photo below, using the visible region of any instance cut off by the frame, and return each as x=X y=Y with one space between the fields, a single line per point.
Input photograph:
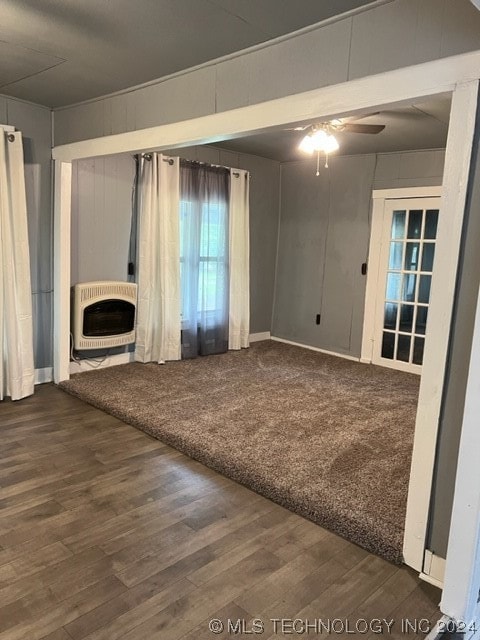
x=204 y=212
x=239 y=247
x=158 y=306
x=16 y=332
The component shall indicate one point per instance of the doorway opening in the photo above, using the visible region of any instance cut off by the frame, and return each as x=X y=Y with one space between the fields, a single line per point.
x=210 y=130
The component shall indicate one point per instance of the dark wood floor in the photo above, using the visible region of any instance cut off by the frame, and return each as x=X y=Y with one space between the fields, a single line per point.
x=107 y=533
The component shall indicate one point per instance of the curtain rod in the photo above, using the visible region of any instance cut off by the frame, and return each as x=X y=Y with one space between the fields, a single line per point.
x=148 y=156
x=210 y=164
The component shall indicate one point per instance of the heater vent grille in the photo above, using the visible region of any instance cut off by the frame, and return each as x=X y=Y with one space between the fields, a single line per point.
x=90 y=291
x=96 y=298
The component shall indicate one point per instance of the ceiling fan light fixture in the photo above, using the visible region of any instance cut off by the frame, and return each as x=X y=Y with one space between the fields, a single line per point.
x=318 y=140
x=306 y=145
x=330 y=144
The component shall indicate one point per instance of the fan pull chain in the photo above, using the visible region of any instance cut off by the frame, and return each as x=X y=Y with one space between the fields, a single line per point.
x=318 y=163
x=326 y=161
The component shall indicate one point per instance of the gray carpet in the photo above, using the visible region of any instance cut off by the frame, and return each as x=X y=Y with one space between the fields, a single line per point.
x=328 y=438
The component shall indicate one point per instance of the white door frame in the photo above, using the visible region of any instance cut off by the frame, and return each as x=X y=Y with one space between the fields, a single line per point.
x=379 y=197
x=457 y=74
x=454 y=193
x=462 y=573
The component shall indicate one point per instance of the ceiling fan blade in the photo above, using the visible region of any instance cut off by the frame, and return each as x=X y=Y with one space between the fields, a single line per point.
x=363 y=128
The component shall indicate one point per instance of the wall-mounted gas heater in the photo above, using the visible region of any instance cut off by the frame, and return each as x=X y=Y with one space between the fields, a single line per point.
x=103 y=314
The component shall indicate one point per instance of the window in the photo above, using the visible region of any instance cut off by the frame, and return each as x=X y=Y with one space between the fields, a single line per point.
x=204 y=272
x=212 y=254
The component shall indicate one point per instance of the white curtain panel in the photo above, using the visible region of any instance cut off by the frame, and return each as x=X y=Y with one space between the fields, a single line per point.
x=158 y=309
x=16 y=333
x=239 y=249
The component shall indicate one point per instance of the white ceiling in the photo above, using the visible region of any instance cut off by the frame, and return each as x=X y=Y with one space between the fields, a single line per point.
x=58 y=52
x=421 y=125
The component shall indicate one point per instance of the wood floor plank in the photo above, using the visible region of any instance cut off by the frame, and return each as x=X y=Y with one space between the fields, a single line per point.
x=181 y=616
x=36 y=560
x=108 y=534
x=230 y=611
x=346 y=593
x=147 y=566
x=55 y=617
x=59 y=634
x=122 y=625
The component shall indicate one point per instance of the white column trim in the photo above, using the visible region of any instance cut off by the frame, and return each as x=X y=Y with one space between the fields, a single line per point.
x=61 y=270
x=454 y=191
x=462 y=573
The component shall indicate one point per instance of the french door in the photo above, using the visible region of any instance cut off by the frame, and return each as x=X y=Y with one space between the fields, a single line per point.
x=406 y=264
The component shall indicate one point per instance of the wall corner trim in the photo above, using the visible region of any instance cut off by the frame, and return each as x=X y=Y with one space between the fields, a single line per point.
x=346 y=356
x=43 y=375
x=258 y=337
x=80 y=366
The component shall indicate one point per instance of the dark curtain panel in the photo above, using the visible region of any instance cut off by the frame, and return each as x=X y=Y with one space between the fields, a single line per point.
x=204 y=198
x=132 y=248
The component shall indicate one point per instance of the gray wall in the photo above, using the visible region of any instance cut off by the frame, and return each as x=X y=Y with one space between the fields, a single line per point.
x=459 y=358
x=323 y=241
x=101 y=217
x=101 y=213
x=35 y=124
x=385 y=37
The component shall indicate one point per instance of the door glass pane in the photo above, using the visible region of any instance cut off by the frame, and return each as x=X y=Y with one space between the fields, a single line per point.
x=394 y=281
x=403 y=348
x=424 y=289
x=406 y=318
x=388 y=345
x=421 y=321
x=412 y=255
x=408 y=271
x=395 y=259
x=431 y=221
x=415 y=223
x=409 y=284
x=418 y=350
x=428 y=251
x=398 y=225
x=390 y=320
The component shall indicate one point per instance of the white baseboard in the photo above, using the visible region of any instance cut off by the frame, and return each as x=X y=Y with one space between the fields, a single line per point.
x=110 y=361
x=43 y=375
x=433 y=569
x=258 y=337
x=307 y=346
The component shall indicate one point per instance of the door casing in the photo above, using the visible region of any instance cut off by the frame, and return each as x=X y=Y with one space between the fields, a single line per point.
x=378 y=254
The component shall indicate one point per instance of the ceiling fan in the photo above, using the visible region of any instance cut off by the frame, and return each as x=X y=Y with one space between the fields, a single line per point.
x=320 y=137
